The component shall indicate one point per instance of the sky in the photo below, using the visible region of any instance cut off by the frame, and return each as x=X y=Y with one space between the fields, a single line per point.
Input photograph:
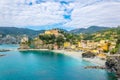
x=67 y=14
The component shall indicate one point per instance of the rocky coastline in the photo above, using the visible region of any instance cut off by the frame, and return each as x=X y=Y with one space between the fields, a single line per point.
x=113 y=64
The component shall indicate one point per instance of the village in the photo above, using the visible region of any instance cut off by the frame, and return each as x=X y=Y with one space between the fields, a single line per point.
x=100 y=48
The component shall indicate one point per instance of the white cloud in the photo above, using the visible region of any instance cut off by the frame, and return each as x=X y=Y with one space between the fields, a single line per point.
x=101 y=14
x=85 y=13
x=24 y=15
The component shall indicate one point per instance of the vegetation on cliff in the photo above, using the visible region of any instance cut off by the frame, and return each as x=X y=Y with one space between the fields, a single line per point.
x=52 y=39
x=106 y=40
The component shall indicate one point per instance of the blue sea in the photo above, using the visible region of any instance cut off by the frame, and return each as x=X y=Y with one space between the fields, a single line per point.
x=45 y=65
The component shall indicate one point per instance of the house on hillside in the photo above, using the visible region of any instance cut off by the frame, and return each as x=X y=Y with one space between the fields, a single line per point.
x=55 y=32
x=67 y=45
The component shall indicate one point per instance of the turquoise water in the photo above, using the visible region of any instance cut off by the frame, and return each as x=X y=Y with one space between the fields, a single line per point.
x=44 y=65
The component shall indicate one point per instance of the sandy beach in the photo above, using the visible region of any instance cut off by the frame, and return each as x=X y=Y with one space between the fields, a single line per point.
x=78 y=55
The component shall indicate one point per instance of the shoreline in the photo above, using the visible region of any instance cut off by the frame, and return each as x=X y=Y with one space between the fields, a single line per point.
x=73 y=54
x=33 y=49
x=78 y=55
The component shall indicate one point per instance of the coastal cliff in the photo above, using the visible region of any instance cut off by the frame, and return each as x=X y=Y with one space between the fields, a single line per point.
x=113 y=64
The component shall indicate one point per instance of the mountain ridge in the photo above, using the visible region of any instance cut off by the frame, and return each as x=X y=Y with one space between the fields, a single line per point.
x=32 y=33
x=90 y=29
x=19 y=31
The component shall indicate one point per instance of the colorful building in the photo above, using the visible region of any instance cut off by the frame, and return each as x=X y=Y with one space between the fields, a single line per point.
x=55 y=32
x=67 y=44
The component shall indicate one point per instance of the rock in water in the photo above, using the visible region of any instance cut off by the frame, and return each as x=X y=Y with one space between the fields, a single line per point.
x=2 y=55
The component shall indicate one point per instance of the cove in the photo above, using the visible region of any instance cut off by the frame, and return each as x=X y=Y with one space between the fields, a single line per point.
x=45 y=65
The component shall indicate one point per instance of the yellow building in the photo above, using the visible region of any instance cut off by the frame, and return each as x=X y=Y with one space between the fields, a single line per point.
x=105 y=46
x=102 y=56
x=47 y=32
x=55 y=32
x=95 y=51
x=79 y=45
x=102 y=41
x=73 y=47
x=67 y=44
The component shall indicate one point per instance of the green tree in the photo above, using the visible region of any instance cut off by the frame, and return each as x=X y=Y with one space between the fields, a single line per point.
x=60 y=40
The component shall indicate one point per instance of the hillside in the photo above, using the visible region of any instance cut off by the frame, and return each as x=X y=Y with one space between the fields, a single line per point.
x=107 y=34
x=90 y=29
x=19 y=31
x=31 y=33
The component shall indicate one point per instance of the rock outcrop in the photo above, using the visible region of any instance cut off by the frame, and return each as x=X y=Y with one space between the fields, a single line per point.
x=24 y=46
x=88 y=55
x=2 y=55
x=4 y=50
x=113 y=64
